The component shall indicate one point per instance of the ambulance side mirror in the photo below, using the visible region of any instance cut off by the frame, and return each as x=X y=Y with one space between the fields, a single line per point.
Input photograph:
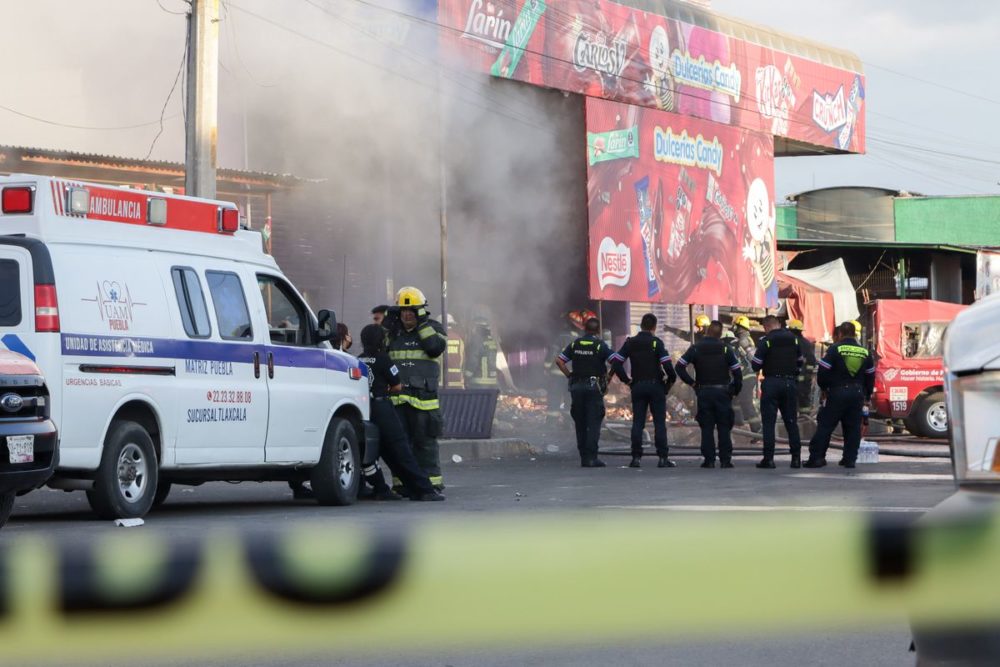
x=326 y=326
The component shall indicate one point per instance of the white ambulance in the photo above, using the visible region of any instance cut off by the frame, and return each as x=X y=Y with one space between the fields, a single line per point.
x=175 y=350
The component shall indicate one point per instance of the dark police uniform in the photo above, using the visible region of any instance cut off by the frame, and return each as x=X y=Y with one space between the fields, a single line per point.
x=779 y=355
x=394 y=447
x=588 y=356
x=652 y=377
x=847 y=374
x=718 y=380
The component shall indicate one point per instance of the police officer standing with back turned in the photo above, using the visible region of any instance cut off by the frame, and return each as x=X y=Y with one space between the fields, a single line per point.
x=718 y=380
x=588 y=355
x=652 y=377
x=779 y=355
x=847 y=375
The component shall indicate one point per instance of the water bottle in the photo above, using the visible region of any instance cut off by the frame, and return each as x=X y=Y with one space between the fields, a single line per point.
x=864 y=415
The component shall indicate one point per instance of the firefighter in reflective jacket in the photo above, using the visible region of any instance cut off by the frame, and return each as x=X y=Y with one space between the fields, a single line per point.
x=779 y=355
x=808 y=369
x=481 y=357
x=748 y=406
x=415 y=344
x=847 y=375
x=456 y=358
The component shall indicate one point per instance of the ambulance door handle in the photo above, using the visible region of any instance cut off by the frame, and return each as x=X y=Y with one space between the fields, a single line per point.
x=256 y=365
x=270 y=365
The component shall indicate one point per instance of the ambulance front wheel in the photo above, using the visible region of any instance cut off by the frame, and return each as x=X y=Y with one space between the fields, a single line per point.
x=125 y=484
x=337 y=477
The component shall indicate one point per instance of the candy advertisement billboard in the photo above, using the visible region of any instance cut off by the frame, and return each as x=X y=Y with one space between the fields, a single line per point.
x=602 y=49
x=681 y=210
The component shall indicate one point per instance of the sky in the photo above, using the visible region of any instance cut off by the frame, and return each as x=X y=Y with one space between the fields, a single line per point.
x=108 y=65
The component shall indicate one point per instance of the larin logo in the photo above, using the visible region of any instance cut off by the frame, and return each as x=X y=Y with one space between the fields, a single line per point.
x=114 y=302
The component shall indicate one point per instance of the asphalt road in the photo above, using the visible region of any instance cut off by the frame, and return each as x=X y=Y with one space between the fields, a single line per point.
x=552 y=481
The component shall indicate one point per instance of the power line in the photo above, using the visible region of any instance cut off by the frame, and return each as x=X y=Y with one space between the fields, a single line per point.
x=177 y=78
x=83 y=127
x=928 y=82
x=173 y=12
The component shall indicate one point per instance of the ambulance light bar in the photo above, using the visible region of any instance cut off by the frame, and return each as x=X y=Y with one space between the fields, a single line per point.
x=229 y=220
x=156 y=211
x=77 y=201
x=18 y=199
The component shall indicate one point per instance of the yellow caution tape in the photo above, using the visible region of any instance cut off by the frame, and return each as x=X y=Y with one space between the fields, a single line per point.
x=451 y=584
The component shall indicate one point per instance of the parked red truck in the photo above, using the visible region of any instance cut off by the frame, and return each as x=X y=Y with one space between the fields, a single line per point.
x=909 y=372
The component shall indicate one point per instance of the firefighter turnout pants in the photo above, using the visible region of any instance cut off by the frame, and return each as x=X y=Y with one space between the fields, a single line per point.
x=715 y=414
x=843 y=406
x=424 y=427
x=746 y=404
x=394 y=448
x=649 y=395
x=587 y=411
x=780 y=394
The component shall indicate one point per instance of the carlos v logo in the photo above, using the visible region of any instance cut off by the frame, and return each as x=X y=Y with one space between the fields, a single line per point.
x=11 y=402
x=614 y=263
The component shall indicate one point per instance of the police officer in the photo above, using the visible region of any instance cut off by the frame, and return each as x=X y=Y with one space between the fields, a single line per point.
x=378 y=313
x=847 y=374
x=652 y=376
x=384 y=380
x=808 y=372
x=779 y=355
x=719 y=379
x=555 y=390
x=415 y=343
x=588 y=356
x=744 y=352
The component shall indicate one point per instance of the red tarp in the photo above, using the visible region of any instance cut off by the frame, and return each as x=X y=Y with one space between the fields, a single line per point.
x=810 y=304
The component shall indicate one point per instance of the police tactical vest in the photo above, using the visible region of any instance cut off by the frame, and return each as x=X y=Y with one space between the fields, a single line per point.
x=586 y=358
x=645 y=351
x=782 y=354
x=710 y=362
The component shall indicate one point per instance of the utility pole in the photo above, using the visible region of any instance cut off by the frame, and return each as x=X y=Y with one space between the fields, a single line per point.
x=202 y=99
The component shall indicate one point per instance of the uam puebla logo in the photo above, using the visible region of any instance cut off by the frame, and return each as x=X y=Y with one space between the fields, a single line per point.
x=114 y=301
x=614 y=263
x=829 y=111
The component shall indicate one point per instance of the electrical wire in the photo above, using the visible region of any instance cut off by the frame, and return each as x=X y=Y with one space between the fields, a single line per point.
x=187 y=2
x=173 y=87
x=82 y=127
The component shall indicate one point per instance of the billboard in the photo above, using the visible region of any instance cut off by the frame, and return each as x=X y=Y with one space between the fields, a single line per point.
x=602 y=49
x=681 y=210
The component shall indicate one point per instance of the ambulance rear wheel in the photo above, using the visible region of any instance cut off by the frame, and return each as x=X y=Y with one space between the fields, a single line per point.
x=6 y=507
x=337 y=477
x=125 y=484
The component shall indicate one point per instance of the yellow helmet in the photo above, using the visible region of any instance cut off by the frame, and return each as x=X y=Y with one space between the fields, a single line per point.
x=742 y=321
x=857 y=327
x=702 y=321
x=796 y=325
x=410 y=297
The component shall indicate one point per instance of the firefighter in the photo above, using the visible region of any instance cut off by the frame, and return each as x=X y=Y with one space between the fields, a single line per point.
x=805 y=382
x=456 y=357
x=556 y=394
x=588 y=380
x=847 y=374
x=701 y=323
x=384 y=381
x=652 y=377
x=748 y=406
x=481 y=360
x=779 y=356
x=718 y=380
x=415 y=344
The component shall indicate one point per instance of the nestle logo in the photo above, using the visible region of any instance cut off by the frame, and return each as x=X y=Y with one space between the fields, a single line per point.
x=11 y=402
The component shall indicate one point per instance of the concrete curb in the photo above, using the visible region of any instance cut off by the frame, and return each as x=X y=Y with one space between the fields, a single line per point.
x=476 y=450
